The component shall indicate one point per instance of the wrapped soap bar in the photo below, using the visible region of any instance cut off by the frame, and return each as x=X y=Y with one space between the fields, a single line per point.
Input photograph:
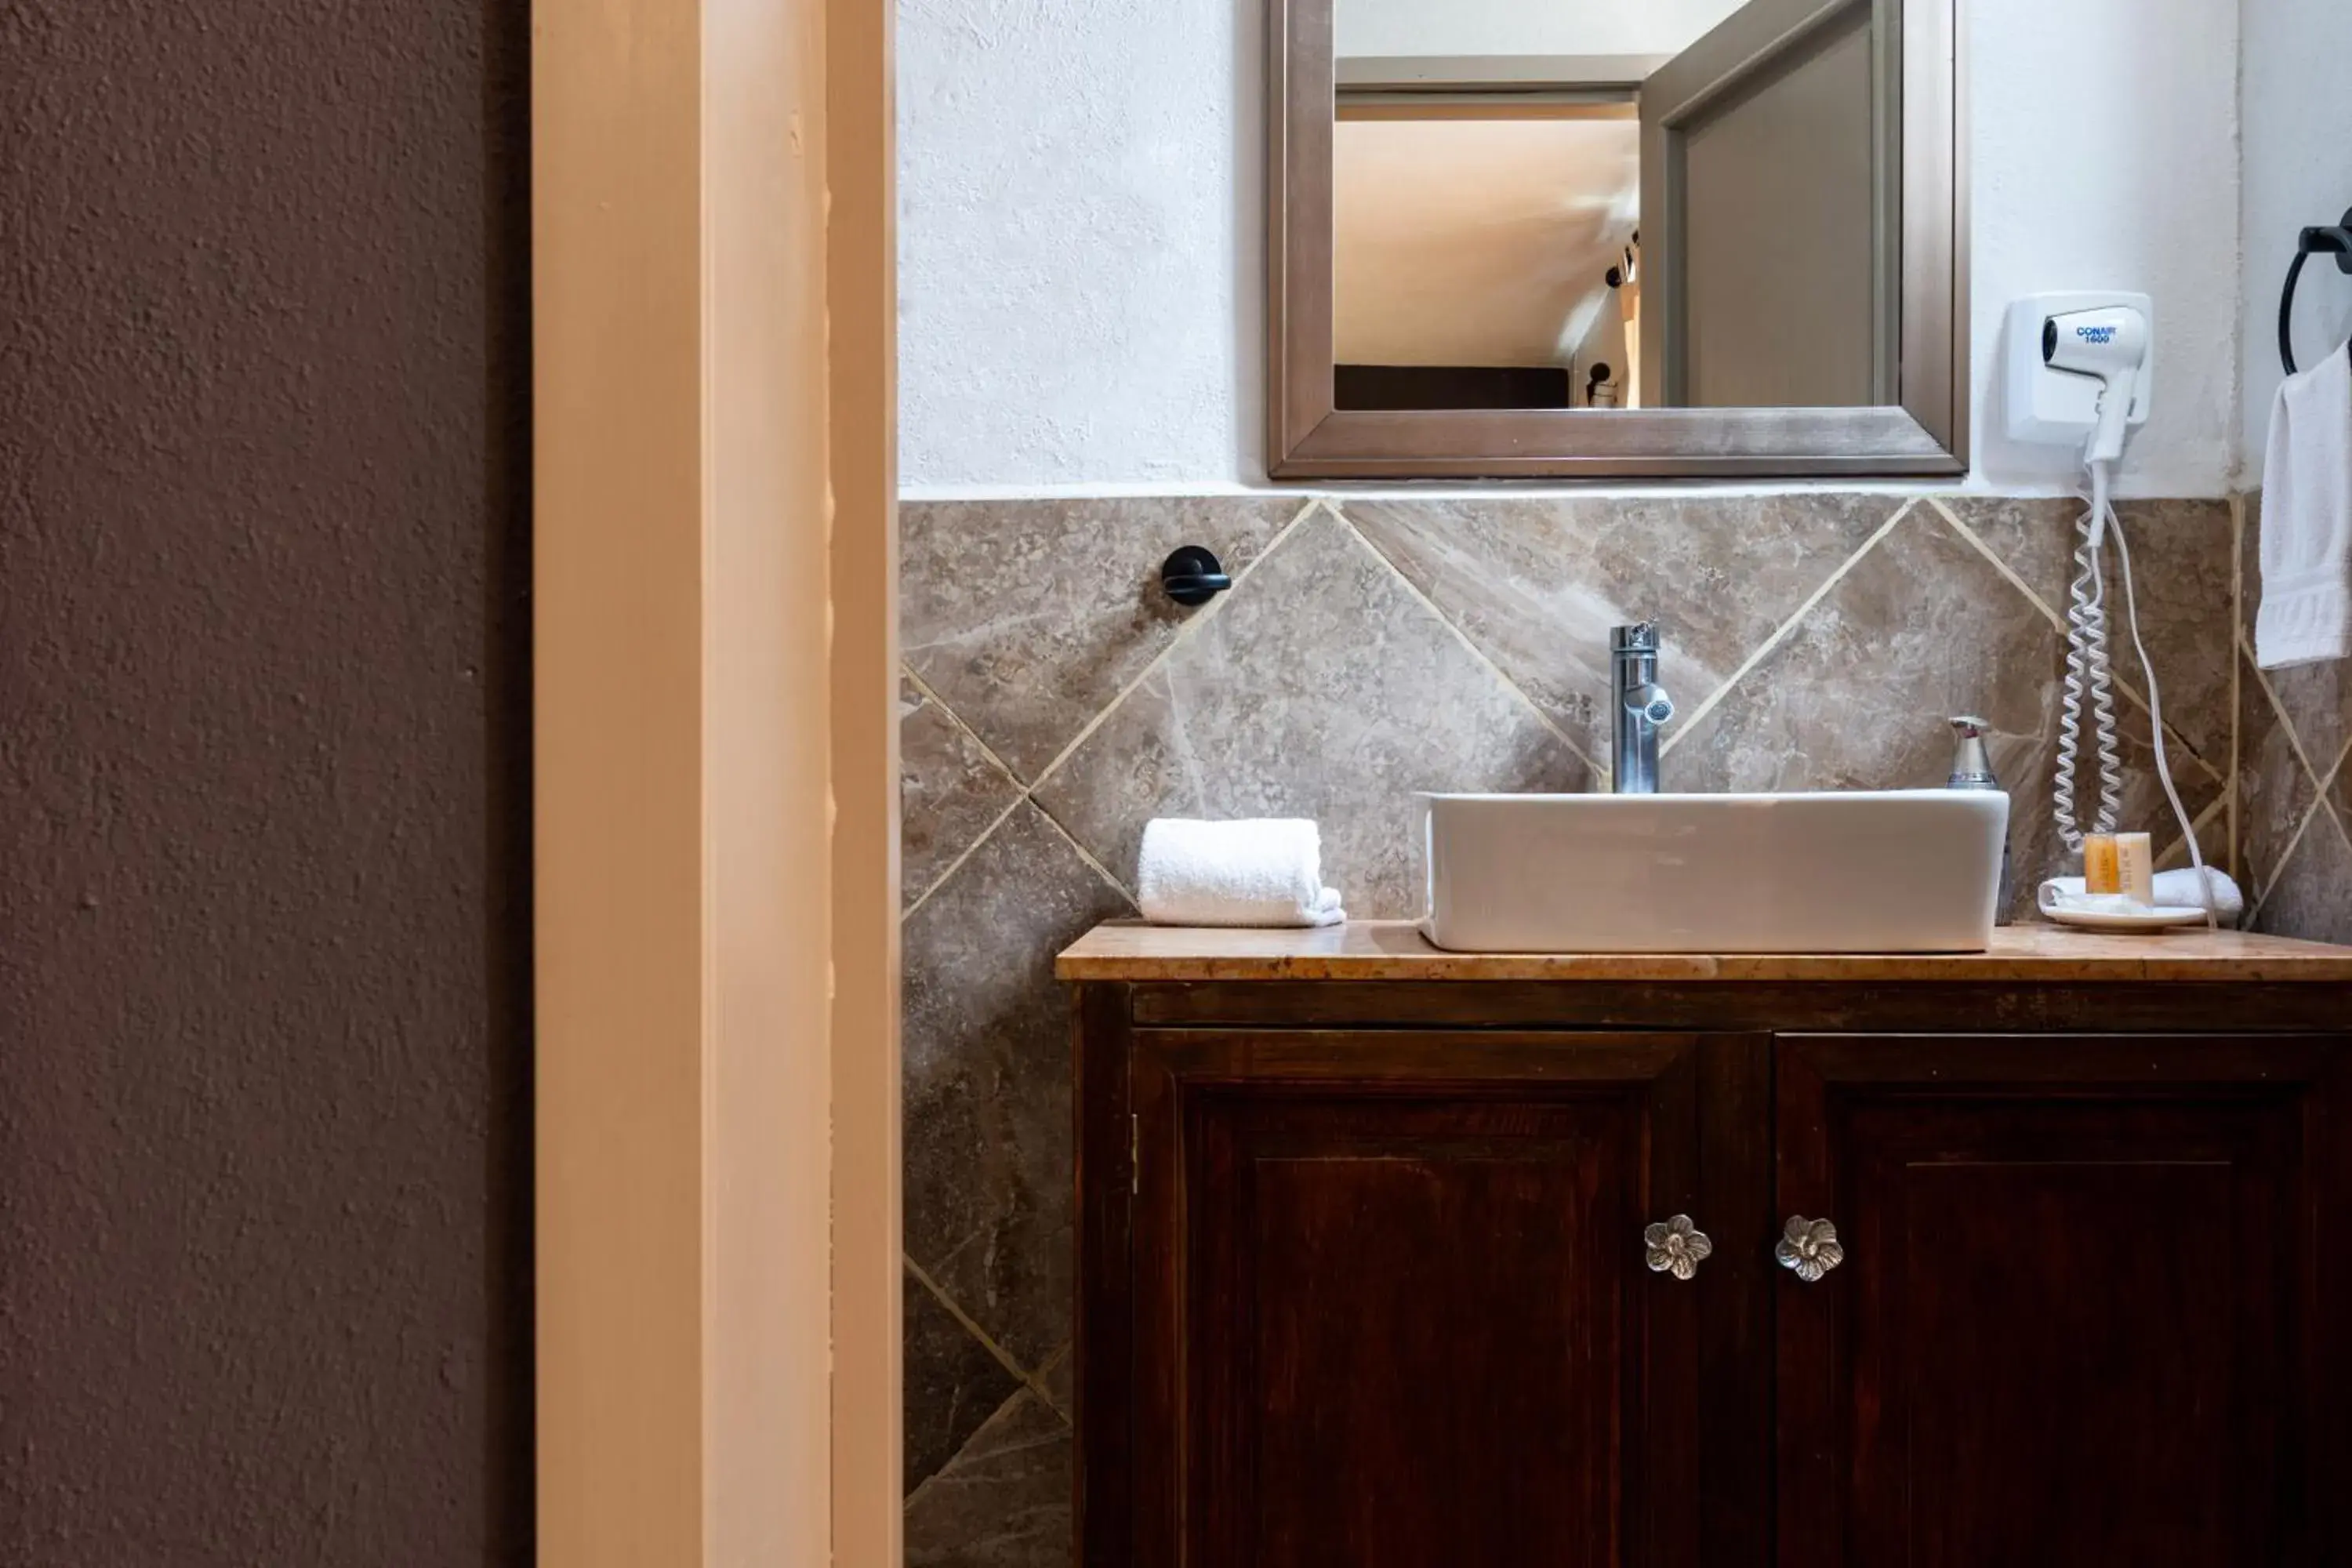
x=2120 y=865
x=2135 y=868
x=2102 y=867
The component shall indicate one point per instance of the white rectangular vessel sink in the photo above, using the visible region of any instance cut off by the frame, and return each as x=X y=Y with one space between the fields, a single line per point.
x=1894 y=871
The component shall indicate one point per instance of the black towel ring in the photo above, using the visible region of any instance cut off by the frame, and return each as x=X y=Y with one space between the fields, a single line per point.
x=2335 y=242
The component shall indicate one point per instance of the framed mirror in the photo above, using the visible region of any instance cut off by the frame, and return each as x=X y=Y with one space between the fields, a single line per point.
x=1615 y=238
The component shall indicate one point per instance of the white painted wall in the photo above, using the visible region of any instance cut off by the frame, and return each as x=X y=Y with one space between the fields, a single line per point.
x=1080 y=250
x=1081 y=245
x=2299 y=171
x=2106 y=155
x=1418 y=27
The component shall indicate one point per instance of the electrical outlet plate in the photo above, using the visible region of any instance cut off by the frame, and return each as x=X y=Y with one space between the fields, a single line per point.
x=2051 y=406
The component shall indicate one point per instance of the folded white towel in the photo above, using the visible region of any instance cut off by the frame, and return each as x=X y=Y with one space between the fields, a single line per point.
x=1266 y=872
x=2306 y=547
x=2174 y=889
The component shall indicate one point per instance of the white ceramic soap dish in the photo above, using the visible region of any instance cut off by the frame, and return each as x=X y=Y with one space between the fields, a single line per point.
x=2163 y=916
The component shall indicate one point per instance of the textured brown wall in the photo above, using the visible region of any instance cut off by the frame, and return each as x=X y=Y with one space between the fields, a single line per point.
x=264 y=920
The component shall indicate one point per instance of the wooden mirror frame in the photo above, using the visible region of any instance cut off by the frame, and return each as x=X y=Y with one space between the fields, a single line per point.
x=1923 y=434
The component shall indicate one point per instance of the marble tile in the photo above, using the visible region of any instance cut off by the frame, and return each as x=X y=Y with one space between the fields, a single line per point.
x=2183 y=569
x=2313 y=897
x=2146 y=808
x=2034 y=536
x=1538 y=584
x=2250 y=562
x=1004 y=1502
x=952 y=1384
x=2284 y=717
x=1028 y=617
x=1857 y=698
x=1059 y=1380
x=986 y=1066
x=950 y=791
x=2274 y=789
x=1326 y=689
x=2317 y=700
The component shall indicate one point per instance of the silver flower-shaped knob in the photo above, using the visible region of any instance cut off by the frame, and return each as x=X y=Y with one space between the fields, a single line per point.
x=1808 y=1248
x=1676 y=1247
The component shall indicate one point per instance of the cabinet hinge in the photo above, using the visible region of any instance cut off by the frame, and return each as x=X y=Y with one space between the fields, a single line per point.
x=1134 y=1154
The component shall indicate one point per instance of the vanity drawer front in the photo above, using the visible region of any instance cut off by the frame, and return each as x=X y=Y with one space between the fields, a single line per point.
x=2086 y=1306
x=1393 y=1304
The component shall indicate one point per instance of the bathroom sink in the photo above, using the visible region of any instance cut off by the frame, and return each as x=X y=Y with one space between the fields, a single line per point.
x=1894 y=871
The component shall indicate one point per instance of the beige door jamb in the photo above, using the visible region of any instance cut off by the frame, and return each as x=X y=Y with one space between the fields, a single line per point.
x=717 y=1053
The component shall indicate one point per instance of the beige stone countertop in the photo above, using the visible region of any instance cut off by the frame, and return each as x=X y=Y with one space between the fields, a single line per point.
x=1394 y=949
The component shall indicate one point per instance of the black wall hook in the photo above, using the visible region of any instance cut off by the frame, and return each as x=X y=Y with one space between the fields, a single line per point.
x=1193 y=576
x=2335 y=242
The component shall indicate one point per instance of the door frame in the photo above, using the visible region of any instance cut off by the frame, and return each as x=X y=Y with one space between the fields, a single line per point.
x=714 y=621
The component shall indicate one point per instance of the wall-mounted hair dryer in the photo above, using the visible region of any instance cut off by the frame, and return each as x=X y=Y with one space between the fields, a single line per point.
x=2057 y=394
x=2110 y=346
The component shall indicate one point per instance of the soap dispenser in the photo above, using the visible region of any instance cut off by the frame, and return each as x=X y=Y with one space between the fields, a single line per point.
x=1972 y=769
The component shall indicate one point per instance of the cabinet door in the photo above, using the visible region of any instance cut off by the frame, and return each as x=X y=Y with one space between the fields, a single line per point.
x=2089 y=1310
x=1392 y=1302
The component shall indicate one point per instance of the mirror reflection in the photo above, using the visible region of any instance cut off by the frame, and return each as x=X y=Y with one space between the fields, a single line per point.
x=1615 y=204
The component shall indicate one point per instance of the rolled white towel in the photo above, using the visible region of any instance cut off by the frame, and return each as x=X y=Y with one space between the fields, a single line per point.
x=1266 y=872
x=2174 y=889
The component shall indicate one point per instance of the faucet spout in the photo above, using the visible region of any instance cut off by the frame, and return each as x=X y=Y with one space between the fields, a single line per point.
x=1640 y=705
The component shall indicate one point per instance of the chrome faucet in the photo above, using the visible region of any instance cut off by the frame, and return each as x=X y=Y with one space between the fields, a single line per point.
x=1643 y=707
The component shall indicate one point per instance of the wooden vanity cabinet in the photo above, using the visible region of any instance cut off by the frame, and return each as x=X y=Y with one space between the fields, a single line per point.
x=1404 y=1277
x=2090 y=1310
x=1364 y=1281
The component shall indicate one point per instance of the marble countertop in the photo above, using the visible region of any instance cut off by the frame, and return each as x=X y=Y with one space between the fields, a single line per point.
x=1394 y=949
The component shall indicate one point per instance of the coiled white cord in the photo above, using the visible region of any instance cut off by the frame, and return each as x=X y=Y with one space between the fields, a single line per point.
x=2088 y=674
x=2097 y=523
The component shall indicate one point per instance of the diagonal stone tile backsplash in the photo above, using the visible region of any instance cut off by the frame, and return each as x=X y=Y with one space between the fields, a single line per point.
x=1377 y=645
x=1535 y=584
x=1029 y=617
x=1322 y=686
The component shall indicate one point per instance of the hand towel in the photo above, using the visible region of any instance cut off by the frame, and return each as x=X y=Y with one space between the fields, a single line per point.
x=2306 y=546
x=2174 y=889
x=1266 y=872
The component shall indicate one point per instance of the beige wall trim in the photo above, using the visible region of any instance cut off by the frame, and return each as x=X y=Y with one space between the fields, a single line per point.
x=861 y=157
x=701 y=1104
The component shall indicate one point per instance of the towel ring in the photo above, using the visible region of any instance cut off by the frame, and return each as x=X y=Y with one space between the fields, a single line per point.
x=2335 y=242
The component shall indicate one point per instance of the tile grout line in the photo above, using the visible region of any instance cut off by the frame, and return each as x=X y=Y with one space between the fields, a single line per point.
x=907 y=1504
x=1029 y=791
x=1781 y=632
x=1086 y=854
x=2336 y=771
x=1977 y=541
x=2237 y=669
x=2285 y=859
x=2343 y=830
x=957 y=864
x=1033 y=1382
x=1068 y=1351
x=2197 y=826
x=1207 y=613
x=1463 y=637
x=2131 y=693
x=956 y=719
x=1026 y=798
x=2293 y=735
x=2320 y=786
x=2319 y=802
